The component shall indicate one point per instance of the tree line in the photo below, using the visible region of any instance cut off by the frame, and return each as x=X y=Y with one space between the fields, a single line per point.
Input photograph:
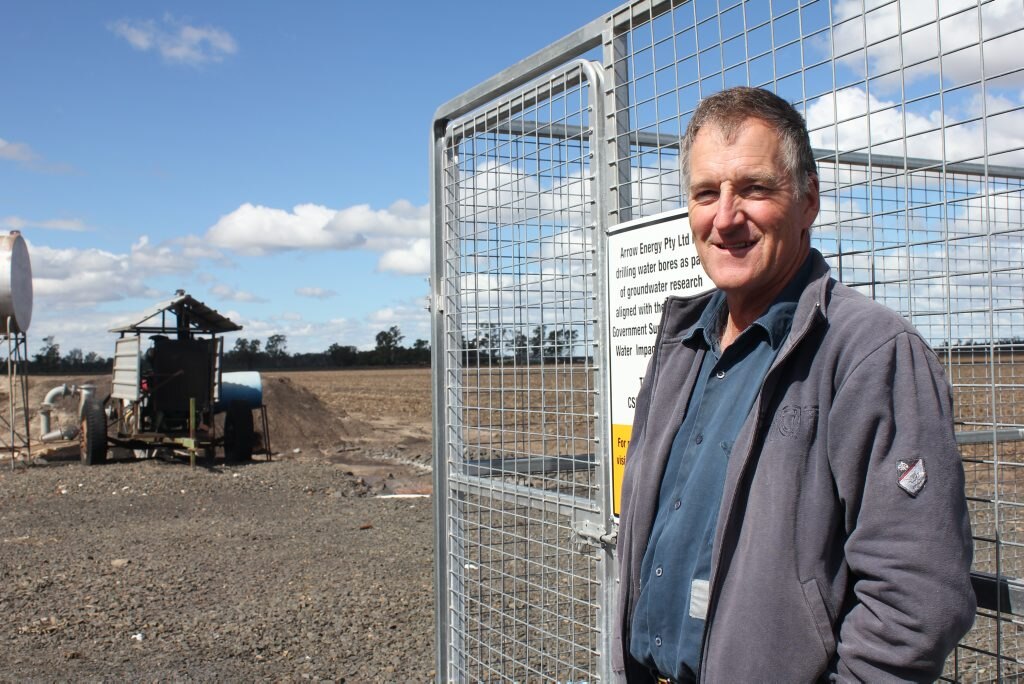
x=254 y=354
x=496 y=344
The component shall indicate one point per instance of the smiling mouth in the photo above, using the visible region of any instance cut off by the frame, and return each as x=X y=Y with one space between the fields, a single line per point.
x=737 y=246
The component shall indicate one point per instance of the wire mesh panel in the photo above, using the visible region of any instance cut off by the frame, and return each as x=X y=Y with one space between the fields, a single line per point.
x=521 y=386
x=915 y=112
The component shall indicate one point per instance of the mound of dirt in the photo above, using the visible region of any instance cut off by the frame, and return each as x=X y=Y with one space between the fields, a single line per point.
x=300 y=419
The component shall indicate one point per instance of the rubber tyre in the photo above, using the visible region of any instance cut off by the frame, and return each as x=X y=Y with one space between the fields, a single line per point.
x=238 y=433
x=93 y=437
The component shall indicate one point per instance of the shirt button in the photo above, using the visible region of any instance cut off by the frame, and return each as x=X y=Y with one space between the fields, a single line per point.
x=720 y=374
x=677 y=504
x=658 y=571
x=657 y=641
x=699 y=439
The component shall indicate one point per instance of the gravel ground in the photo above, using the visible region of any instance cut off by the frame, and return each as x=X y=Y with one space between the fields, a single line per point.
x=154 y=571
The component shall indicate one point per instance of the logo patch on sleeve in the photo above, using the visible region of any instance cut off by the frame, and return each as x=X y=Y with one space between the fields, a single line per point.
x=911 y=476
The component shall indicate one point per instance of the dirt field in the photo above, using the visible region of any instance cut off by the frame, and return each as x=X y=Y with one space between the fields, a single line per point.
x=283 y=570
x=297 y=568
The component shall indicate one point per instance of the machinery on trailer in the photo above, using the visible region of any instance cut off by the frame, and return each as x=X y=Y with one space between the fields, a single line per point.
x=166 y=396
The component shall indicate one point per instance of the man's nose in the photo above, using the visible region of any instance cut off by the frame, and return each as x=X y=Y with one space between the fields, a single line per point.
x=728 y=213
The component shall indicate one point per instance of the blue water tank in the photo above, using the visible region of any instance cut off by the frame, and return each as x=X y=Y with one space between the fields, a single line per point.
x=245 y=386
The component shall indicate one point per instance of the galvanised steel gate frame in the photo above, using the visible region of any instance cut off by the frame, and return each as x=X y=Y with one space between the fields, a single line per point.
x=917 y=118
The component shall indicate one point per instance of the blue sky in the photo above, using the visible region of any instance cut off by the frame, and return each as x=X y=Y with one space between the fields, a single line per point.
x=269 y=158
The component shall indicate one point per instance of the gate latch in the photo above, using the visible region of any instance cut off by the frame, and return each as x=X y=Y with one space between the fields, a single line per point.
x=589 y=532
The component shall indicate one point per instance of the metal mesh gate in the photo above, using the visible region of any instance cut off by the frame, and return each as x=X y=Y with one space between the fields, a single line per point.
x=520 y=389
x=916 y=113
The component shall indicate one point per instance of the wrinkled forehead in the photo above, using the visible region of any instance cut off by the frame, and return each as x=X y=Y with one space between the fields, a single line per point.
x=728 y=129
x=752 y=144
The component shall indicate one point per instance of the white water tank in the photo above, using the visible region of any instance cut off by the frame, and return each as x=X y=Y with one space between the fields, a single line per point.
x=15 y=284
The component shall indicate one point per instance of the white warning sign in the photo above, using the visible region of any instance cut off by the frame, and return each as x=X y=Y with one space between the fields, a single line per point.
x=648 y=259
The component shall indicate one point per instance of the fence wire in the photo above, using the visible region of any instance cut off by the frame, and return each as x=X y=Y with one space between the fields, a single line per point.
x=521 y=386
x=916 y=114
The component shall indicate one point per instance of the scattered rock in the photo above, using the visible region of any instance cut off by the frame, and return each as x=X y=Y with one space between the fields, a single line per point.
x=215 y=585
x=263 y=575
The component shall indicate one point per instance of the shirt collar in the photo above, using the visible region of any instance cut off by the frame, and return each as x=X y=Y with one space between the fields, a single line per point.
x=775 y=322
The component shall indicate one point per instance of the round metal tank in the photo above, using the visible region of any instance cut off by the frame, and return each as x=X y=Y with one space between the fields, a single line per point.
x=245 y=386
x=15 y=283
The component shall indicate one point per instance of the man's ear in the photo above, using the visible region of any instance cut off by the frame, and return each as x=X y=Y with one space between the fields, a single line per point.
x=812 y=198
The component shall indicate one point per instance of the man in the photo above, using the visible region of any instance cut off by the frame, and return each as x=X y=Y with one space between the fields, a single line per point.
x=793 y=506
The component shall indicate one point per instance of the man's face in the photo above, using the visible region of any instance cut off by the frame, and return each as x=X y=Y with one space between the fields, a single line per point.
x=751 y=231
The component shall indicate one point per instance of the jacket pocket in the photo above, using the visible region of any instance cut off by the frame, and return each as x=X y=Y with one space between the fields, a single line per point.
x=815 y=601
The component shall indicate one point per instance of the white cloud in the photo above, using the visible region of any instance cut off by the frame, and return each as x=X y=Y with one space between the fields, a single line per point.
x=412 y=318
x=24 y=155
x=19 y=152
x=414 y=259
x=881 y=124
x=315 y=292
x=398 y=231
x=195 y=247
x=256 y=230
x=68 y=278
x=177 y=41
x=86 y=329
x=18 y=223
x=225 y=292
x=158 y=259
x=954 y=29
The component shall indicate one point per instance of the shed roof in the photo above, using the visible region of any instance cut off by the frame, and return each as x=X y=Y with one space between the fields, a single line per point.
x=189 y=313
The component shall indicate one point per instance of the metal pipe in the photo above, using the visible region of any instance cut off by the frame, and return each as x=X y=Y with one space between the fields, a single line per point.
x=70 y=432
x=64 y=390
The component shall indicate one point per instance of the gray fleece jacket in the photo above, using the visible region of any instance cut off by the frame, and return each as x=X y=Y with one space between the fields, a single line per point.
x=823 y=566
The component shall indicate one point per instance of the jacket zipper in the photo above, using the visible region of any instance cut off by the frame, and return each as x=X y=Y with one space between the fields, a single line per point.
x=759 y=422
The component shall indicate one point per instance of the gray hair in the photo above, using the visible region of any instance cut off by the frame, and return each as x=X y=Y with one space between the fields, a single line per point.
x=729 y=109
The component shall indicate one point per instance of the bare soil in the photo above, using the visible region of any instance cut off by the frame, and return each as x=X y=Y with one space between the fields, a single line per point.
x=303 y=567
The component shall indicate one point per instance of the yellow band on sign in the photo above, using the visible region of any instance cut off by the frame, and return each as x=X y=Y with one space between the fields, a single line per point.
x=620 y=443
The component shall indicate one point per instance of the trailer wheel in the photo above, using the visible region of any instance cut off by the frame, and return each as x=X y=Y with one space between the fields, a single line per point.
x=93 y=437
x=238 y=433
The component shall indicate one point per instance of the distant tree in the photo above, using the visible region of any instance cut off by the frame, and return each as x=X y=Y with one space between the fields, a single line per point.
x=560 y=342
x=277 y=347
x=74 y=359
x=245 y=352
x=494 y=342
x=470 y=354
x=388 y=342
x=48 y=358
x=536 y=343
x=520 y=348
x=93 y=359
x=342 y=355
x=420 y=352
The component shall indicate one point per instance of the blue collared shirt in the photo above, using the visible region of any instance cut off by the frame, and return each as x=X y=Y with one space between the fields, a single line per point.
x=668 y=623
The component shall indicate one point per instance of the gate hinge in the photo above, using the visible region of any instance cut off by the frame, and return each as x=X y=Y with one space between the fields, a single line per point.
x=589 y=532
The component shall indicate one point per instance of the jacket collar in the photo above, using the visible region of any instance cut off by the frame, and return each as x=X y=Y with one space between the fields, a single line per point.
x=813 y=302
x=683 y=314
